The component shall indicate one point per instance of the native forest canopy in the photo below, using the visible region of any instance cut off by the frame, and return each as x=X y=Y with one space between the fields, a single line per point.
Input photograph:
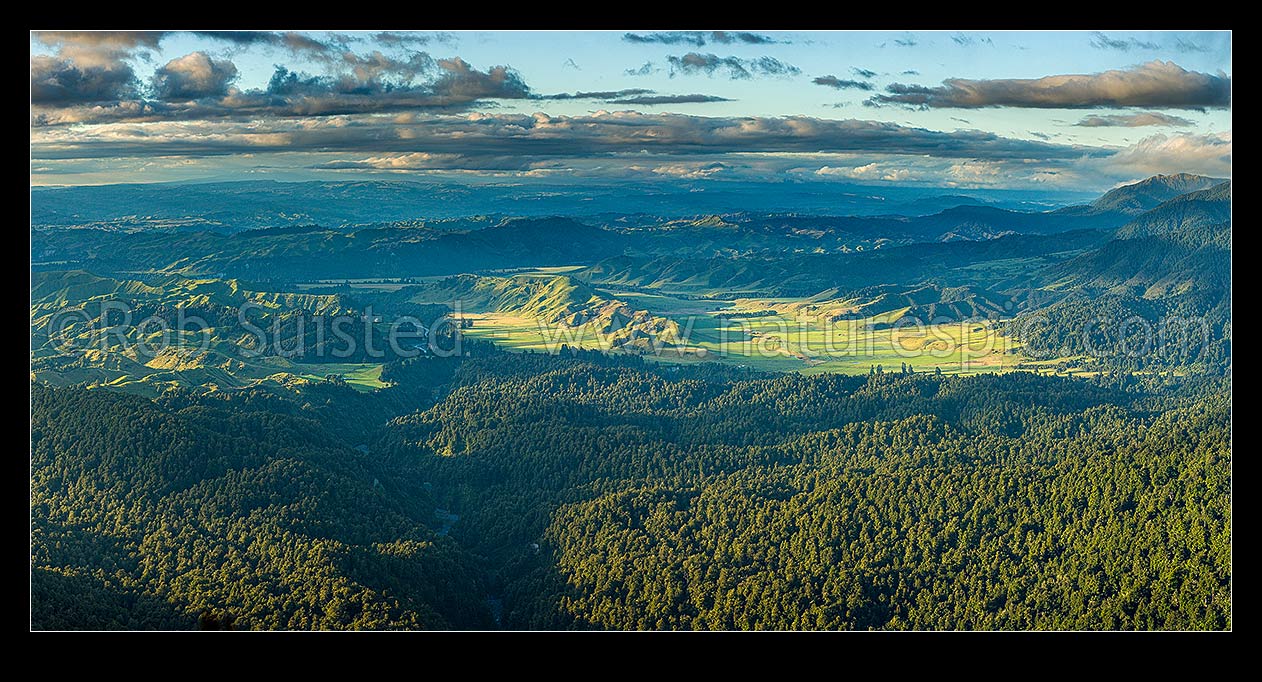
x=627 y=437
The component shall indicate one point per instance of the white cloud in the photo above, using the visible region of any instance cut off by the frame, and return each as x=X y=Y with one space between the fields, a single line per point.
x=974 y=174
x=870 y=171
x=689 y=171
x=1208 y=154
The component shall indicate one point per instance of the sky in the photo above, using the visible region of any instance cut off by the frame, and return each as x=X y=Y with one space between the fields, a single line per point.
x=1073 y=110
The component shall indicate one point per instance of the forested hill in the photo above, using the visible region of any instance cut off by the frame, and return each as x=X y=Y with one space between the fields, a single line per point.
x=1199 y=215
x=601 y=492
x=1169 y=269
x=1147 y=194
x=179 y=514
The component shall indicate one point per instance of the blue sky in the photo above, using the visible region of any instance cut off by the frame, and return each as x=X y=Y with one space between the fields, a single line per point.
x=1071 y=110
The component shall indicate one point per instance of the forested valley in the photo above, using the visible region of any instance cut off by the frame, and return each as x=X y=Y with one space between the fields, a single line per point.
x=594 y=491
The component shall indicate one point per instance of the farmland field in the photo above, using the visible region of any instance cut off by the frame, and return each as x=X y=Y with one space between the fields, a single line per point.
x=779 y=342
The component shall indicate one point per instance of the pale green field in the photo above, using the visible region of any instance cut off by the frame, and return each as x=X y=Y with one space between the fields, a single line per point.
x=361 y=376
x=781 y=343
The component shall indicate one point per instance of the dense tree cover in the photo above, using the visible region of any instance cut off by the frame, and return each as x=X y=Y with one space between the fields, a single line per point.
x=592 y=491
x=615 y=497
x=147 y=515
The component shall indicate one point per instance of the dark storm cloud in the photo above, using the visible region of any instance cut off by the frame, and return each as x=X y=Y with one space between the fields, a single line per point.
x=1102 y=42
x=1155 y=84
x=541 y=137
x=1143 y=118
x=735 y=67
x=193 y=76
x=840 y=84
x=700 y=38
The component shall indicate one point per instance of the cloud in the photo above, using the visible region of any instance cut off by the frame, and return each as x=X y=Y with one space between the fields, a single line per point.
x=1137 y=120
x=420 y=161
x=462 y=81
x=614 y=144
x=700 y=38
x=59 y=81
x=968 y=41
x=88 y=66
x=1208 y=154
x=870 y=171
x=193 y=76
x=653 y=100
x=645 y=70
x=242 y=38
x=911 y=72
x=634 y=96
x=91 y=67
x=599 y=94
x=371 y=83
x=406 y=40
x=114 y=41
x=736 y=68
x=1102 y=42
x=835 y=82
x=296 y=43
x=538 y=136
x=1188 y=46
x=974 y=173
x=690 y=171
x=571 y=64
x=1155 y=84
x=862 y=73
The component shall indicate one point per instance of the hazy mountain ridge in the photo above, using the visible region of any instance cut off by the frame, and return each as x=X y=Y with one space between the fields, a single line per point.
x=247 y=204
x=1147 y=194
